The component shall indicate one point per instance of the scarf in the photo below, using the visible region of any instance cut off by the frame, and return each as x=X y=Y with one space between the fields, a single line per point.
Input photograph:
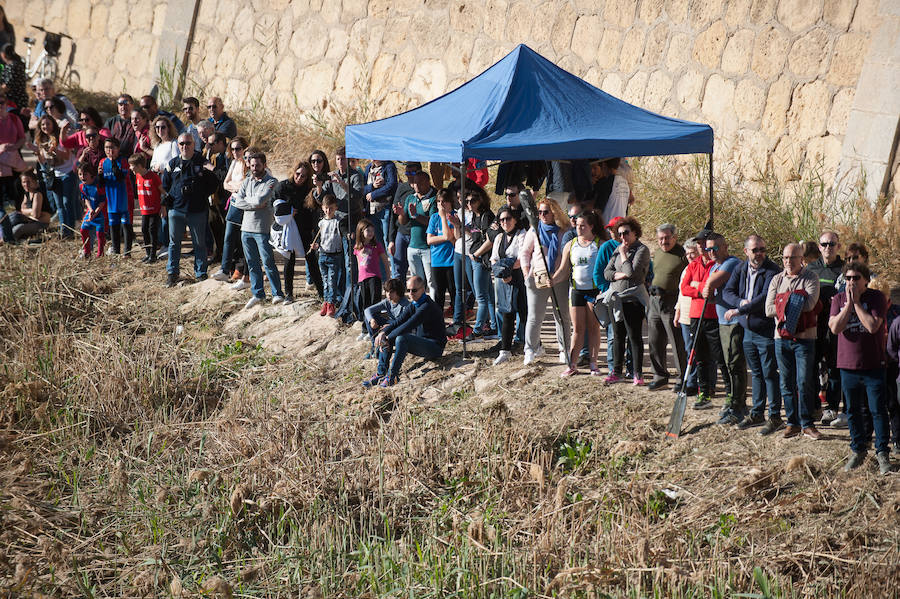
x=549 y=240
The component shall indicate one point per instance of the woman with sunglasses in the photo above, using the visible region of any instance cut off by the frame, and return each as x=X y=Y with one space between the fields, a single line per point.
x=476 y=266
x=163 y=138
x=543 y=246
x=627 y=273
x=511 y=294
x=295 y=190
x=233 y=267
x=577 y=264
x=76 y=140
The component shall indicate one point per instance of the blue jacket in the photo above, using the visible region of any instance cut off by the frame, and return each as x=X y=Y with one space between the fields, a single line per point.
x=385 y=193
x=424 y=313
x=753 y=315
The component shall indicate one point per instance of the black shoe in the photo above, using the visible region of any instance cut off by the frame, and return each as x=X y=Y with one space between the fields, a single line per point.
x=145 y=259
x=676 y=388
x=171 y=279
x=657 y=384
x=691 y=391
x=750 y=421
x=202 y=277
x=771 y=425
x=583 y=359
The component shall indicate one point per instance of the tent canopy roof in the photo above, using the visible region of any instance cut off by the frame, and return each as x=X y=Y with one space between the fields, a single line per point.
x=524 y=107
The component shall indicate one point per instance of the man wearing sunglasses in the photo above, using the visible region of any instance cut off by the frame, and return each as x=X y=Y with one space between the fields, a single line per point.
x=828 y=268
x=857 y=317
x=219 y=118
x=746 y=291
x=400 y=336
x=119 y=125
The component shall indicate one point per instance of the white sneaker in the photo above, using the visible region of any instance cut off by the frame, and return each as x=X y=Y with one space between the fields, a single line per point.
x=362 y=336
x=222 y=276
x=563 y=357
x=253 y=301
x=840 y=421
x=240 y=284
x=504 y=356
x=529 y=357
x=539 y=352
x=277 y=299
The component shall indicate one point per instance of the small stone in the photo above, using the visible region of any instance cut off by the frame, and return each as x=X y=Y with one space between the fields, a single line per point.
x=738 y=51
x=798 y=15
x=632 y=50
x=709 y=45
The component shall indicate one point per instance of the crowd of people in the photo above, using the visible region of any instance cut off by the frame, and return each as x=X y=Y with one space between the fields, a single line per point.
x=422 y=259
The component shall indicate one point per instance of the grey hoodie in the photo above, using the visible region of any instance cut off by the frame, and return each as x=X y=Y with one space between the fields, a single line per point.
x=255 y=199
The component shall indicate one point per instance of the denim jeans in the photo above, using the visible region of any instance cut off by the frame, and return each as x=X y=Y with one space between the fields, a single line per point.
x=420 y=265
x=796 y=371
x=259 y=254
x=380 y=221
x=691 y=382
x=478 y=281
x=406 y=344
x=196 y=222
x=760 y=353
x=68 y=205
x=869 y=384
x=331 y=266
x=229 y=246
x=399 y=261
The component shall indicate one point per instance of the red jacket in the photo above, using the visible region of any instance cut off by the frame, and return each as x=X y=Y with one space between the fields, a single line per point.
x=698 y=272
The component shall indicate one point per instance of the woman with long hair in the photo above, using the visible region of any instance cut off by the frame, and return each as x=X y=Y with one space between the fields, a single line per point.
x=77 y=140
x=540 y=257
x=57 y=165
x=233 y=266
x=511 y=294
x=295 y=190
x=140 y=123
x=476 y=266
x=164 y=140
x=577 y=264
x=443 y=227
x=7 y=32
x=627 y=271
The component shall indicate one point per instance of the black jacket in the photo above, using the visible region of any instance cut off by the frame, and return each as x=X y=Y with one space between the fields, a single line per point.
x=189 y=184
x=753 y=315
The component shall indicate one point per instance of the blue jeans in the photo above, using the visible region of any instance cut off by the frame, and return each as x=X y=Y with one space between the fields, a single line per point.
x=796 y=371
x=259 y=254
x=68 y=205
x=760 y=353
x=870 y=384
x=406 y=344
x=380 y=221
x=229 y=245
x=399 y=263
x=196 y=222
x=331 y=266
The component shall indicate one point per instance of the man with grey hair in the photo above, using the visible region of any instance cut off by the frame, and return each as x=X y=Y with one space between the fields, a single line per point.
x=668 y=262
x=795 y=338
x=204 y=130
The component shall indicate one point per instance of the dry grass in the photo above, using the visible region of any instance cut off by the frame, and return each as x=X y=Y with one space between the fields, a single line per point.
x=140 y=461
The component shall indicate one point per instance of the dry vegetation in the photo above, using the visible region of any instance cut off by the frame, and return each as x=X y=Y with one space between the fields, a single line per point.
x=151 y=446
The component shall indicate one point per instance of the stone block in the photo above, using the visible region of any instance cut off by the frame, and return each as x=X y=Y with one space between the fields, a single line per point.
x=689 y=89
x=849 y=53
x=608 y=53
x=285 y=25
x=563 y=28
x=399 y=34
x=338 y=40
x=55 y=17
x=749 y=101
x=787 y=159
x=750 y=155
x=459 y=54
x=494 y=21
x=594 y=76
x=350 y=76
x=677 y=10
x=709 y=45
x=634 y=89
x=808 y=53
x=679 y=53
x=226 y=11
x=809 y=105
x=822 y=156
x=762 y=11
x=632 y=49
x=283 y=81
x=778 y=102
x=429 y=79
x=380 y=76
x=737 y=53
x=310 y=40
x=159 y=19
x=769 y=53
x=650 y=10
x=718 y=104
x=798 y=15
x=138 y=11
x=464 y=16
x=539 y=16
x=659 y=89
x=736 y=13
x=866 y=16
x=519 y=22
x=351 y=10
x=265 y=29
x=838 y=13
x=225 y=58
x=586 y=36
x=620 y=13
x=703 y=12
x=79 y=18
x=313 y=84
x=34 y=12
x=403 y=67
x=612 y=84
x=656 y=45
x=118 y=19
x=482 y=52
x=840 y=111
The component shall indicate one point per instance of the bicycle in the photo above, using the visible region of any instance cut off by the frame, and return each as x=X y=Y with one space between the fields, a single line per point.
x=47 y=64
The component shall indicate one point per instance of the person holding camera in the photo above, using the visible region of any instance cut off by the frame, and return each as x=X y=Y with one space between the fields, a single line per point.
x=188 y=183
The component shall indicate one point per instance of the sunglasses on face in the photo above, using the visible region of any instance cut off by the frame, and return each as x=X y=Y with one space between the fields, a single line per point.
x=90 y=136
x=504 y=219
x=758 y=250
x=624 y=232
x=411 y=289
x=123 y=102
x=185 y=143
x=316 y=160
x=853 y=277
x=543 y=212
x=713 y=248
x=210 y=106
x=161 y=127
x=828 y=244
x=237 y=149
x=511 y=194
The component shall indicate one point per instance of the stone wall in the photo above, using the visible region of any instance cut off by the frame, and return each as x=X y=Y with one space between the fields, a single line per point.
x=777 y=79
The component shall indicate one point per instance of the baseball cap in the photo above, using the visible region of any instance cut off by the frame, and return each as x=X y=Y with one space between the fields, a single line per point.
x=612 y=224
x=413 y=167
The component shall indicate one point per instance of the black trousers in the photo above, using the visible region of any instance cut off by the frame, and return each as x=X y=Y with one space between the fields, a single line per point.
x=709 y=356
x=117 y=232
x=630 y=328
x=150 y=224
x=443 y=283
x=312 y=267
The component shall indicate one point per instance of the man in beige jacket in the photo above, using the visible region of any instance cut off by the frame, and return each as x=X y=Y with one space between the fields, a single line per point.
x=795 y=350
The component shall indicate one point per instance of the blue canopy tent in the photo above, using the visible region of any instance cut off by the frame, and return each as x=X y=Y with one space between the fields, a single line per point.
x=522 y=108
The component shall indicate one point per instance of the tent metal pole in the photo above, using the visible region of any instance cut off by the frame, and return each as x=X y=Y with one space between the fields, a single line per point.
x=463 y=175
x=710 y=189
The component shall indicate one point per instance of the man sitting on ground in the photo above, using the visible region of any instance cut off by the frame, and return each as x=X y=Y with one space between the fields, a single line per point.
x=399 y=337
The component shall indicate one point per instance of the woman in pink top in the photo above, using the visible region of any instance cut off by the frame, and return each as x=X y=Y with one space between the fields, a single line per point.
x=76 y=140
x=371 y=258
